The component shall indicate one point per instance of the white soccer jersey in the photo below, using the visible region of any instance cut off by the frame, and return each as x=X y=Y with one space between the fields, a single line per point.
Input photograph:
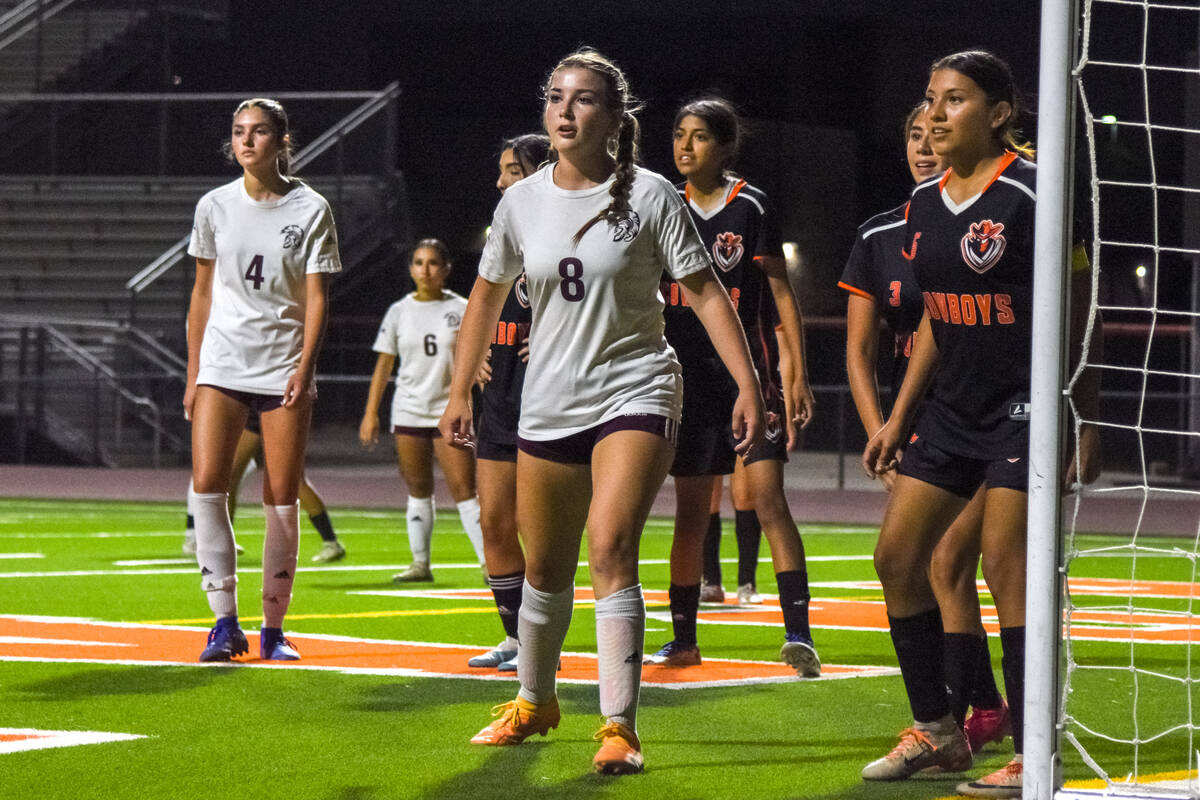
x=597 y=349
x=422 y=335
x=263 y=250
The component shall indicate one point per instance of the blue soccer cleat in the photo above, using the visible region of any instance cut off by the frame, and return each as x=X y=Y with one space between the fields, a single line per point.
x=225 y=641
x=274 y=646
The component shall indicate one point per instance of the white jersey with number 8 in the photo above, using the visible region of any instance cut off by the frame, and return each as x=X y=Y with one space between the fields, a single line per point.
x=597 y=349
x=422 y=335
x=263 y=250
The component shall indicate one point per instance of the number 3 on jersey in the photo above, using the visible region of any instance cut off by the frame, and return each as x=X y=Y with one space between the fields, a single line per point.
x=254 y=272
x=571 y=286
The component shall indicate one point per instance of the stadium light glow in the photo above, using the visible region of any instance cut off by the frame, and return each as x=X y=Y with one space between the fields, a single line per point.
x=1109 y=119
x=1140 y=270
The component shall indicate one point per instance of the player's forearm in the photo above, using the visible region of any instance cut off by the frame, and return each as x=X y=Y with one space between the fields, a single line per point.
x=379 y=379
x=316 y=320
x=475 y=335
x=708 y=299
x=921 y=367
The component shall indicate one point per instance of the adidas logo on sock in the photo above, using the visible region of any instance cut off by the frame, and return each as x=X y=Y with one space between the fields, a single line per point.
x=634 y=658
x=205 y=571
x=504 y=610
x=283 y=574
x=414 y=519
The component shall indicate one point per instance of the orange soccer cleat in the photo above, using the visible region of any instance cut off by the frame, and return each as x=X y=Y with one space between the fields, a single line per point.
x=517 y=720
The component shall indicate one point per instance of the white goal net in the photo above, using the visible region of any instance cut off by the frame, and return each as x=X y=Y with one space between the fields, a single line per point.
x=1130 y=700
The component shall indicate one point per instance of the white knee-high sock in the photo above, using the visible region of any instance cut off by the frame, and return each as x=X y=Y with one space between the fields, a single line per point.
x=620 y=634
x=542 y=628
x=468 y=512
x=279 y=561
x=419 y=516
x=215 y=553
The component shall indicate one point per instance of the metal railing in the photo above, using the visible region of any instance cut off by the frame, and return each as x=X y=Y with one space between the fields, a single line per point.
x=333 y=138
x=97 y=390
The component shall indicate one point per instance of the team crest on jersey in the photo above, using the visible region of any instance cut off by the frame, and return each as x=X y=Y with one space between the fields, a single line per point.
x=983 y=245
x=453 y=320
x=727 y=250
x=292 y=234
x=522 y=291
x=627 y=227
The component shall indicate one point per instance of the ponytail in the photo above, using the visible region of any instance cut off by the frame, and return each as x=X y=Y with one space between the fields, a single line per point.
x=626 y=156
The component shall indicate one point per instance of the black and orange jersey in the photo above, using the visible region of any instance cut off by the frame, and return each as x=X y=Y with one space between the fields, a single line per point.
x=738 y=234
x=974 y=263
x=501 y=405
x=879 y=272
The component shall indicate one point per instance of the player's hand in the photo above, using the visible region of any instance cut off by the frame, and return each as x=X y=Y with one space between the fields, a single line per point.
x=1090 y=458
x=804 y=405
x=888 y=479
x=455 y=424
x=189 y=400
x=523 y=353
x=300 y=388
x=882 y=453
x=485 y=370
x=749 y=421
x=368 y=430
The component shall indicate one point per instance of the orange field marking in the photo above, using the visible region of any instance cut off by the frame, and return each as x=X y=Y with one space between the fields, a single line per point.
x=105 y=642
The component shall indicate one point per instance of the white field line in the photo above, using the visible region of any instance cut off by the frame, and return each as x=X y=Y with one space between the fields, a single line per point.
x=39 y=740
x=15 y=556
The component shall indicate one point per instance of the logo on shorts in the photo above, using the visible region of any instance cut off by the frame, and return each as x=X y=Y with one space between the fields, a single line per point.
x=774 y=427
x=1018 y=411
x=522 y=291
x=727 y=250
x=983 y=245
x=627 y=227
x=453 y=320
x=292 y=234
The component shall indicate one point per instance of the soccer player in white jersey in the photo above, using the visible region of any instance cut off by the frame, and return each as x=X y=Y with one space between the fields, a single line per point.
x=419 y=331
x=265 y=246
x=602 y=393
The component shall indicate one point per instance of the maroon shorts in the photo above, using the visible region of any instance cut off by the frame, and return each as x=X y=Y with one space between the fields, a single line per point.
x=257 y=403
x=577 y=448
x=421 y=433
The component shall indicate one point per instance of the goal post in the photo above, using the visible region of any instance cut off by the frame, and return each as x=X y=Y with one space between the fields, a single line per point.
x=1043 y=619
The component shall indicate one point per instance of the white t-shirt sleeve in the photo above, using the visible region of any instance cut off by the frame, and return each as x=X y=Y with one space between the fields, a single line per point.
x=677 y=240
x=322 y=245
x=385 y=340
x=203 y=243
x=502 y=260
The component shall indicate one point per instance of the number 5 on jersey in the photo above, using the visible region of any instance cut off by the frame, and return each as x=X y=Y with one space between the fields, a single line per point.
x=254 y=272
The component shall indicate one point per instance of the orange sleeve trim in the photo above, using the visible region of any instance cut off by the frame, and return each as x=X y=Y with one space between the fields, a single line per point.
x=946 y=177
x=856 y=290
x=687 y=192
x=906 y=207
x=1009 y=157
x=737 y=188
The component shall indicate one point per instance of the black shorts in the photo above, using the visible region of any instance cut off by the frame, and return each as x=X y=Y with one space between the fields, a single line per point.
x=577 y=448
x=495 y=441
x=706 y=444
x=961 y=475
x=705 y=441
x=257 y=403
x=491 y=450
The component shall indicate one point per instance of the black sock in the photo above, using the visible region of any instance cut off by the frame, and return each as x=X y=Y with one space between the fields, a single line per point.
x=919 y=645
x=685 y=602
x=1012 y=641
x=507 y=591
x=960 y=654
x=712 y=551
x=793 y=598
x=986 y=693
x=324 y=526
x=749 y=533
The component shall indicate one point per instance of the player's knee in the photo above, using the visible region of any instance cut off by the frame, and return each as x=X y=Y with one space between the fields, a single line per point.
x=895 y=564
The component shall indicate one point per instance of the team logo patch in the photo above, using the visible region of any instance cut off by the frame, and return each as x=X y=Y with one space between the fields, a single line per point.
x=983 y=245
x=292 y=234
x=1018 y=411
x=453 y=320
x=727 y=250
x=627 y=227
x=522 y=291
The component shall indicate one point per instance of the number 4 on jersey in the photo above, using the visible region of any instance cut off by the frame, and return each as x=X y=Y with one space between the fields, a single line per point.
x=254 y=272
